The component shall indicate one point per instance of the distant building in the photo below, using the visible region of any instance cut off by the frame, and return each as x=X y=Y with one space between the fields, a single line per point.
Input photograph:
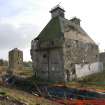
x=1 y=62
x=15 y=59
x=60 y=45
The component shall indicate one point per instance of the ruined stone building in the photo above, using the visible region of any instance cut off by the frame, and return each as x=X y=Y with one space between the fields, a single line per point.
x=15 y=59
x=59 y=46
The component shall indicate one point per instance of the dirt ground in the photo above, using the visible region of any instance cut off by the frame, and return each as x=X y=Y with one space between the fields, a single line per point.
x=15 y=96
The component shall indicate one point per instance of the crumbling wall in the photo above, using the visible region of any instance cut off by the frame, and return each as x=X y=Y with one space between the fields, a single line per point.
x=15 y=59
x=83 y=70
x=78 y=52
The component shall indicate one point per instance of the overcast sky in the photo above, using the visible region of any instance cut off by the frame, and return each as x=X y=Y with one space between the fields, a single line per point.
x=22 y=20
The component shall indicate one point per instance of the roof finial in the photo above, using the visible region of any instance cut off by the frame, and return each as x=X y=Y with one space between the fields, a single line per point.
x=59 y=4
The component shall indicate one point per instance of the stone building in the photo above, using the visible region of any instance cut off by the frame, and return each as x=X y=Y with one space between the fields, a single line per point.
x=1 y=62
x=59 y=46
x=15 y=59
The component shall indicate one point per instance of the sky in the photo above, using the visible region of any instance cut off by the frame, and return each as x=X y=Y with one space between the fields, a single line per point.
x=22 y=20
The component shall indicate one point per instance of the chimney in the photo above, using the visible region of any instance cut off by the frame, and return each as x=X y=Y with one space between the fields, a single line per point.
x=57 y=11
x=75 y=21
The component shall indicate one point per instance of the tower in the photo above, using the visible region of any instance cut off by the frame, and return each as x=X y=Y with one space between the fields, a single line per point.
x=15 y=59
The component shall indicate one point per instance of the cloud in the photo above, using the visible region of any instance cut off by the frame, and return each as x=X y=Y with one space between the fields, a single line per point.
x=18 y=19
x=16 y=37
x=11 y=36
x=11 y=8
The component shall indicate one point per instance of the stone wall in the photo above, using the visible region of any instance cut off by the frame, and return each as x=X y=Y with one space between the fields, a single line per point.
x=83 y=70
x=15 y=59
x=77 y=52
x=47 y=60
x=56 y=59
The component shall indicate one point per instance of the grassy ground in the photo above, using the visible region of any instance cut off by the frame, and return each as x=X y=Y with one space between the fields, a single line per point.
x=20 y=95
x=97 y=77
x=95 y=81
x=25 y=72
x=25 y=97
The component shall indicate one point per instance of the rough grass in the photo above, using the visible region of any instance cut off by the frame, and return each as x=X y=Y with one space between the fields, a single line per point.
x=97 y=77
x=20 y=95
x=25 y=72
x=26 y=98
x=95 y=81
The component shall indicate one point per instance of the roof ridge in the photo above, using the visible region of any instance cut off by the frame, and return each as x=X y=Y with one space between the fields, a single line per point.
x=79 y=29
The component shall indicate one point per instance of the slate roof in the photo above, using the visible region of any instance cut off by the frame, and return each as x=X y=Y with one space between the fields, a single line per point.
x=79 y=29
x=52 y=30
x=55 y=29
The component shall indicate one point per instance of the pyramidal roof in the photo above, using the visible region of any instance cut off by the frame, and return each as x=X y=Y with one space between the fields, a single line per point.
x=56 y=28
x=81 y=34
x=51 y=30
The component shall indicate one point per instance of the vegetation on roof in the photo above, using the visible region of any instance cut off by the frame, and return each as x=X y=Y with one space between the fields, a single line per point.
x=51 y=30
